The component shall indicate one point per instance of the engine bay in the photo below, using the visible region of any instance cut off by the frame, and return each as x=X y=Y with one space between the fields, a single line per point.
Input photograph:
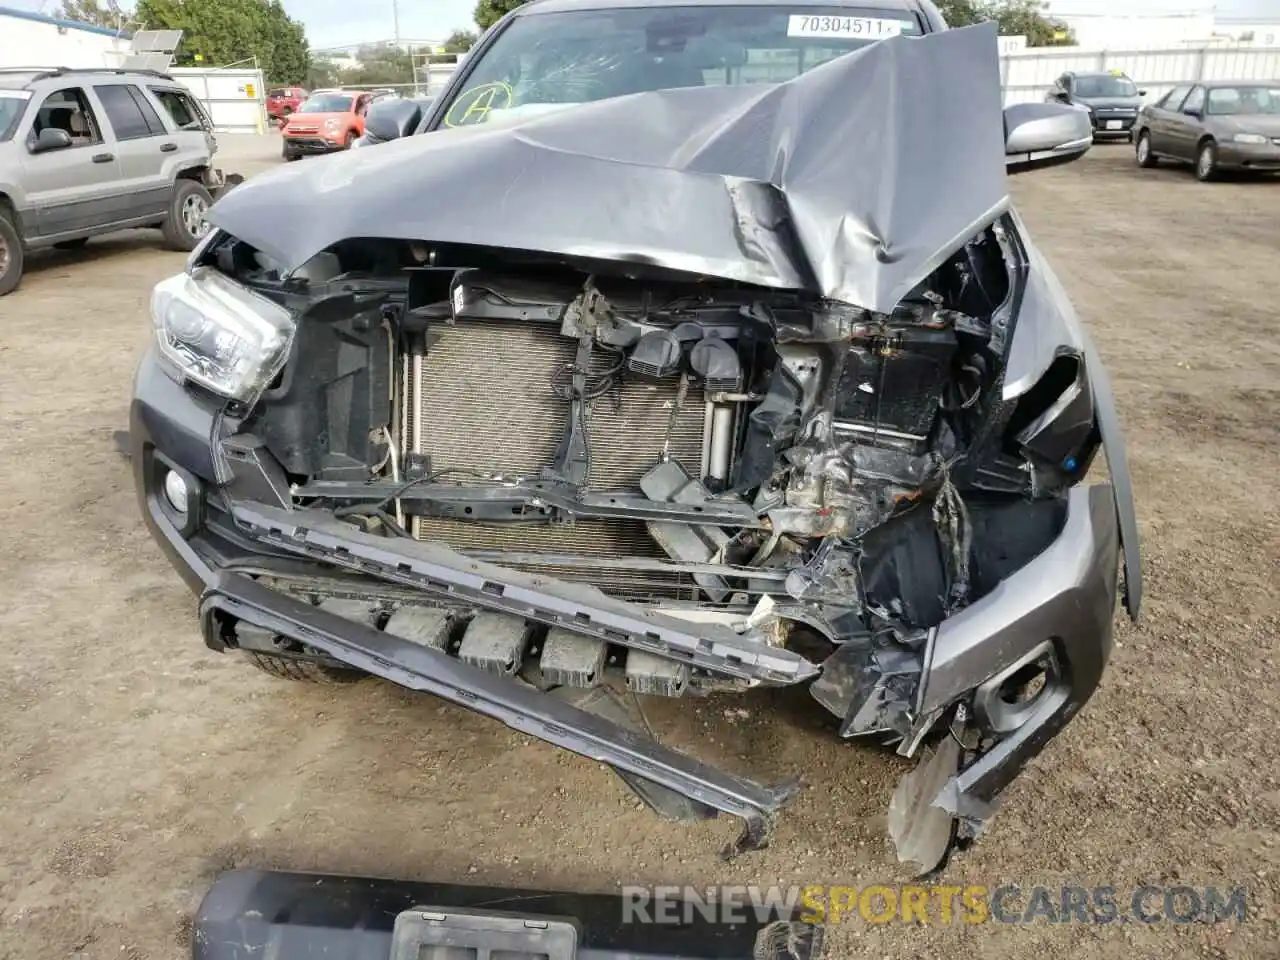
x=711 y=450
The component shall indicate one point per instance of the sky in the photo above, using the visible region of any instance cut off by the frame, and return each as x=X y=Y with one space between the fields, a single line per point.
x=346 y=22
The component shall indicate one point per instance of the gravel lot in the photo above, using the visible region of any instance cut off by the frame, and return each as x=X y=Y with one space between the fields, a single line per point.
x=135 y=764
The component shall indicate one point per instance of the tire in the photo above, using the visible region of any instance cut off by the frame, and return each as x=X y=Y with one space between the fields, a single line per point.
x=301 y=671
x=190 y=200
x=12 y=256
x=1142 y=151
x=286 y=153
x=75 y=244
x=1207 y=162
x=348 y=140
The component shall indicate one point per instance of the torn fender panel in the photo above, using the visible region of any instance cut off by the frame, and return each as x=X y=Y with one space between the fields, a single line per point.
x=852 y=181
x=1067 y=594
x=1047 y=324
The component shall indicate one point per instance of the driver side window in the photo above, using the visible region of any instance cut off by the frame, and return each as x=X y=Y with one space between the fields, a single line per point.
x=68 y=110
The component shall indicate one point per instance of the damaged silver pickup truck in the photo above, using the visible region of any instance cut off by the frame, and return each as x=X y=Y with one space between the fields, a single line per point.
x=682 y=349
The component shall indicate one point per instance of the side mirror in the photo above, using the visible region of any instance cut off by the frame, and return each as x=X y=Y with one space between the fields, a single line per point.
x=1038 y=135
x=392 y=119
x=1198 y=114
x=51 y=138
x=1142 y=93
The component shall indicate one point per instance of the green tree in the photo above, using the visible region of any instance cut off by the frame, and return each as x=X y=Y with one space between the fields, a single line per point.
x=323 y=72
x=1029 y=18
x=381 y=64
x=1014 y=18
x=99 y=14
x=489 y=12
x=960 y=13
x=460 y=41
x=217 y=32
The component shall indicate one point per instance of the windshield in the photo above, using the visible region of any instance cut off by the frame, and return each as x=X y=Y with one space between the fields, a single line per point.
x=1244 y=101
x=328 y=103
x=1105 y=87
x=12 y=103
x=584 y=55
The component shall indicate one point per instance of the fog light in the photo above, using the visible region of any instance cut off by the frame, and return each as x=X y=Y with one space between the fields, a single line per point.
x=175 y=491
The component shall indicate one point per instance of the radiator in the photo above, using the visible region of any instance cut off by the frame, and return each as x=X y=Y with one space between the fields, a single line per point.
x=487 y=405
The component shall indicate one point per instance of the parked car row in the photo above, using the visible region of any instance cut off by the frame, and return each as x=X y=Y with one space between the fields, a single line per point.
x=1214 y=125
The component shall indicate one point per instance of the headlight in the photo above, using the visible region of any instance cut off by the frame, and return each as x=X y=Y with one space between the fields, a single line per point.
x=333 y=123
x=1249 y=138
x=219 y=334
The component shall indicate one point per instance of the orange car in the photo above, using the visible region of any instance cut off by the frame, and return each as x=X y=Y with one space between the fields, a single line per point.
x=326 y=121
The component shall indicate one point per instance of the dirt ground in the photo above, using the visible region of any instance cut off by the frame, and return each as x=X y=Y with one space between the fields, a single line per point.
x=135 y=764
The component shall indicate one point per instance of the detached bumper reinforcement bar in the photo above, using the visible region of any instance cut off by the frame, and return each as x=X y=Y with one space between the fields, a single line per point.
x=439 y=571
x=520 y=707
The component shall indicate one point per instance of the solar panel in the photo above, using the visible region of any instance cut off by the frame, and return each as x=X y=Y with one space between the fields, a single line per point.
x=156 y=41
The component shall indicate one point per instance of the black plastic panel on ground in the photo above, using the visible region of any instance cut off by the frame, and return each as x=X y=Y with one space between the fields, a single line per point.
x=249 y=914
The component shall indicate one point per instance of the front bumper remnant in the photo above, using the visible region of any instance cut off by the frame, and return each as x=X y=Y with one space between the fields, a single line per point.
x=251 y=914
x=439 y=571
x=234 y=597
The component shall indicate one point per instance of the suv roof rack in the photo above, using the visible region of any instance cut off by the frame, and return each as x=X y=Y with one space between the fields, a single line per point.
x=44 y=72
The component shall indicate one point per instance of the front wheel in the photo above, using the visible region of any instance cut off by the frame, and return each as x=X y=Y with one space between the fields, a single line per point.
x=303 y=671
x=185 y=225
x=348 y=140
x=1143 y=151
x=1207 y=161
x=11 y=253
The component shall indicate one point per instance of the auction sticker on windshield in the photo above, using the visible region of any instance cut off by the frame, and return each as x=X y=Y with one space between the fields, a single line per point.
x=868 y=28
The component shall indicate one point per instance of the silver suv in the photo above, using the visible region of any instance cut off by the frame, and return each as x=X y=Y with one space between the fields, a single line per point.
x=86 y=152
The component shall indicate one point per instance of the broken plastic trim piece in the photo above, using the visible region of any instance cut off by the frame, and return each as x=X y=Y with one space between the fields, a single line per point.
x=251 y=914
x=439 y=571
x=519 y=707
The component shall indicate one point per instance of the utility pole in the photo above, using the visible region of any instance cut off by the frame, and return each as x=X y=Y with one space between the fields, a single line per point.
x=395 y=15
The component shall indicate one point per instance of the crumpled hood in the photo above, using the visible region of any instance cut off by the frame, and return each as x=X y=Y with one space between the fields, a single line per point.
x=853 y=181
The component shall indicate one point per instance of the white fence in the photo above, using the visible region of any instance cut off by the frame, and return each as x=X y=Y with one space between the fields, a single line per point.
x=1028 y=75
x=234 y=97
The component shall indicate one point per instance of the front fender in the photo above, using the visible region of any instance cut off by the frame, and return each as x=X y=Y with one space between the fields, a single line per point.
x=1047 y=322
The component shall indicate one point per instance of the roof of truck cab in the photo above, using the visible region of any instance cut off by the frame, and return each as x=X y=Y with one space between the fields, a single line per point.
x=557 y=6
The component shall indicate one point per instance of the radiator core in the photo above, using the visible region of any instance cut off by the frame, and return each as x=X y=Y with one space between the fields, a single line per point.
x=487 y=406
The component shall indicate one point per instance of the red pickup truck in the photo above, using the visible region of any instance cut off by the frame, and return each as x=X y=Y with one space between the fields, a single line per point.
x=283 y=101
